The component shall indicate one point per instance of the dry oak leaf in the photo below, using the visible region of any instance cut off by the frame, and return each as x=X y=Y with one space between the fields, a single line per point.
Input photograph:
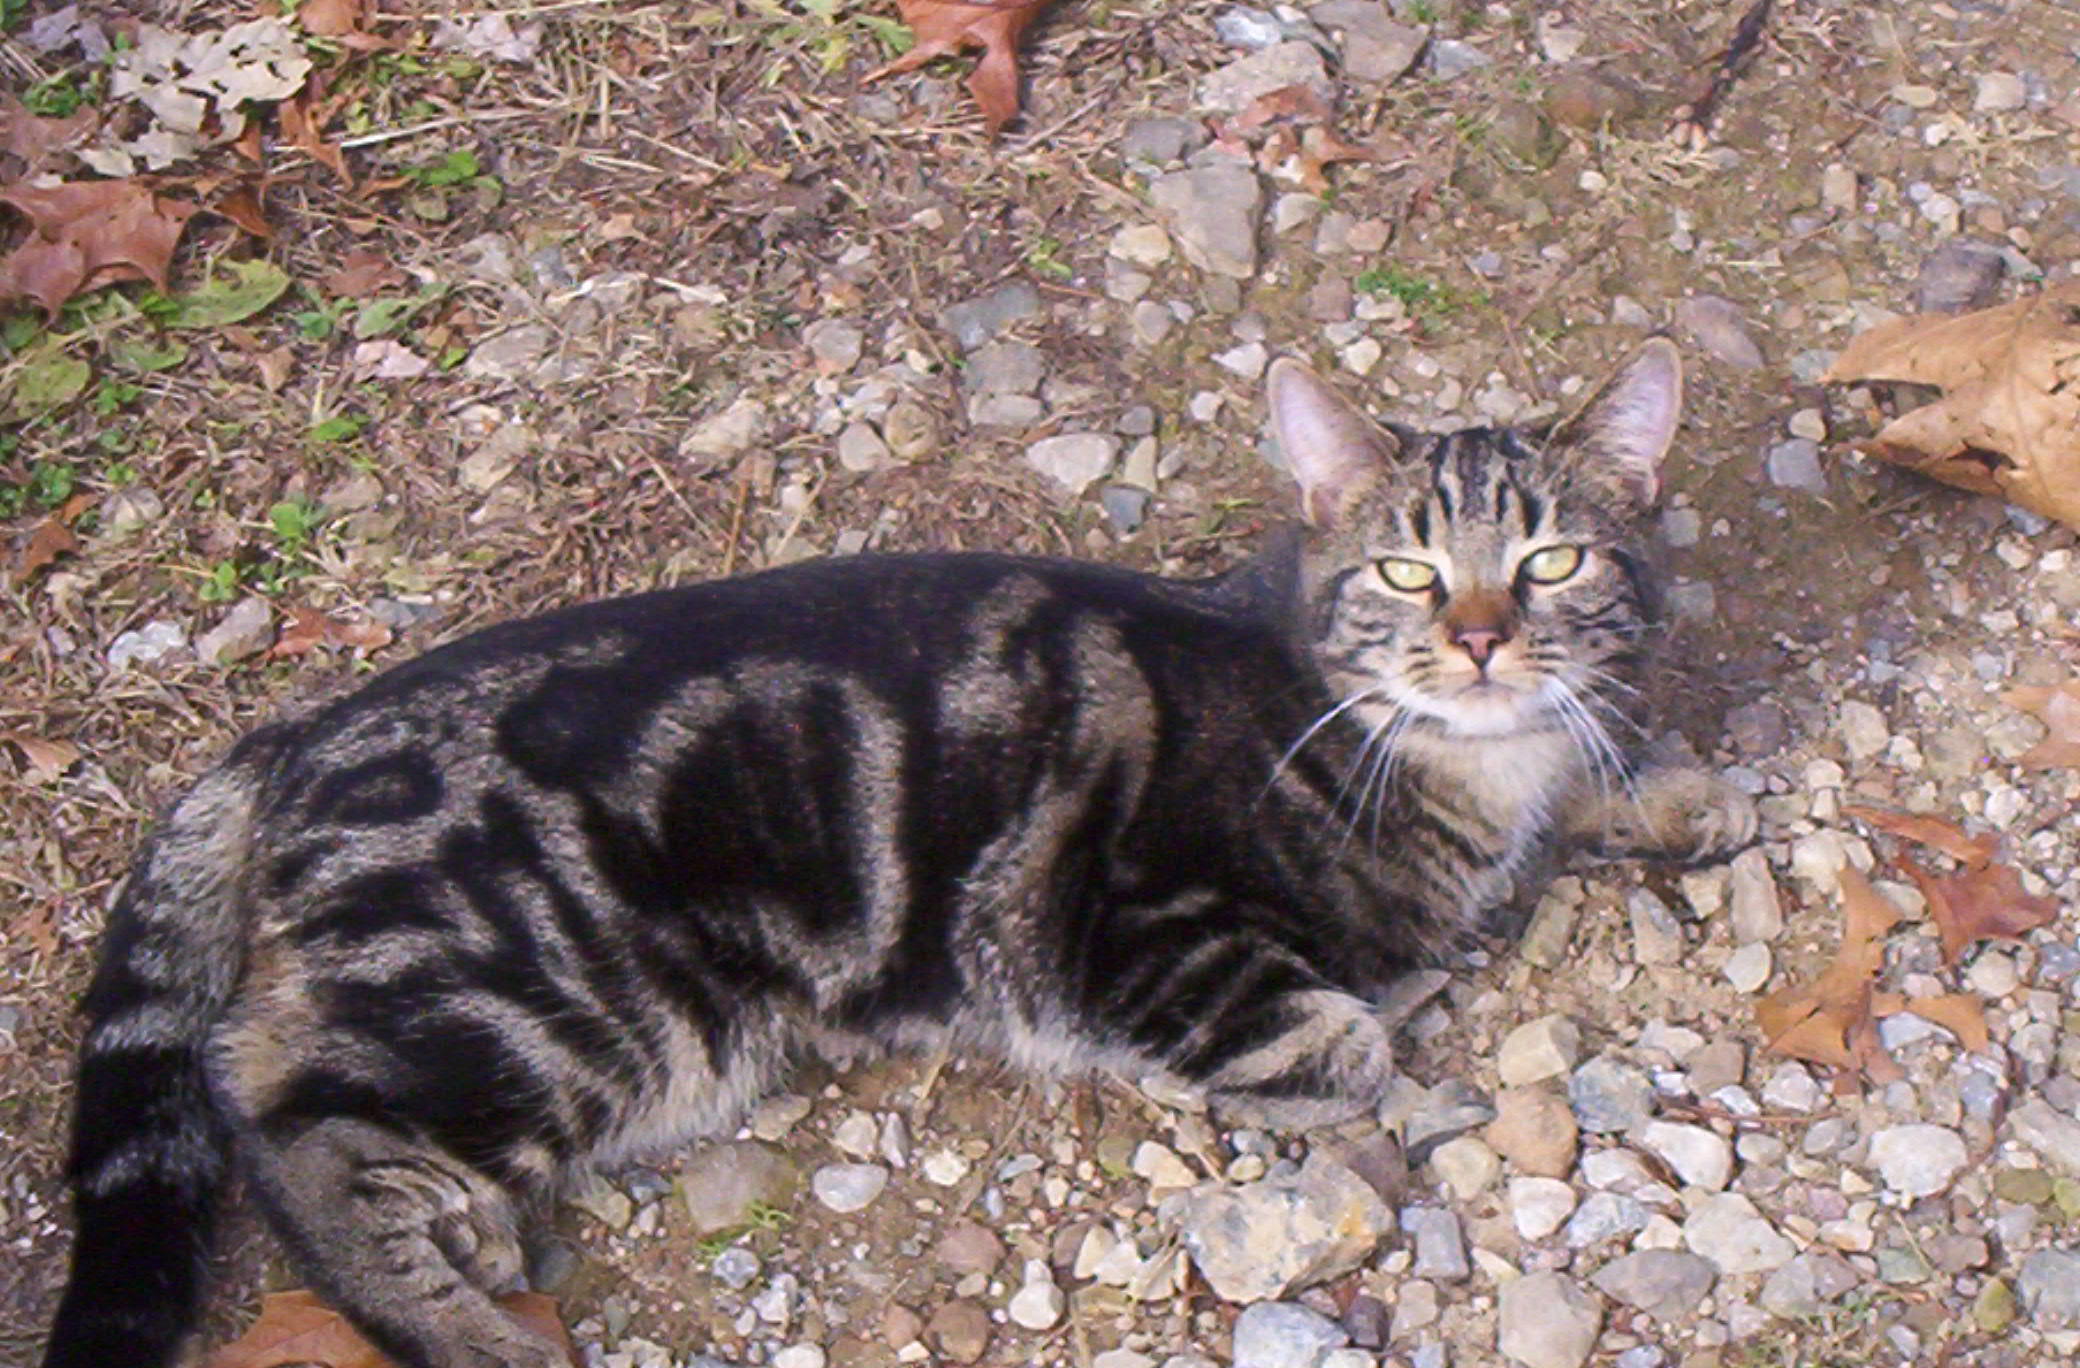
x=34 y=139
x=1979 y=904
x=44 y=761
x=1958 y=1013
x=943 y=27
x=1934 y=832
x=2058 y=708
x=1829 y=1021
x=2009 y=421
x=52 y=538
x=295 y=1328
x=309 y=629
x=89 y=233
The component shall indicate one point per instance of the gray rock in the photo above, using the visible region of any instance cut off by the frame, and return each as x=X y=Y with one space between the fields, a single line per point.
x=1259 y=1241
x=1539 y=1206
x=1284 y=1335
x=861 y=449
x=1755 y=912
x=146 y=645
x=132 y=508
x=1715 y=325
x=1727 y=1229
x=846 y=1188
x=975 y=321
x=732 y=432
x=2050 y=1288
x=1161 y=141
x=1213 y=212
x=604 y=1202
x=1608 y=1095
x=1247 y=28
x=1918 y=1160
x=1547 y=1320
x=722 y=1184
x=1864 y=733
x=1959 y=275
x=513 y=355
x=1604 y=1216
x=1005 y=368
x=246 y=630
x=1234 y=87
x=1698 y=1156
x=1448 y=1111
x=1545 y=1048
x=1125 y=506
x=736 y=1268
x=1804 y=1286
x=2048 y=1131
x=1074 y=460
x=1657 y=937
x=1376 y=49
x=1794 y=463
x=1998 y=92
x=835 y=343
x=1667 y=1284
x=1449 y=58
x=1440 y=1246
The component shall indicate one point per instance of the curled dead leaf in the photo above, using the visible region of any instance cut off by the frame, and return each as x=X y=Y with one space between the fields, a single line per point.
x=2008 y=423
x=945 y=27
x=309 y=629
x=1979 y=904
x=1933 y=832
x=1829 y=1020
x=85 y=234
x=44 y=761
x=2058 y=708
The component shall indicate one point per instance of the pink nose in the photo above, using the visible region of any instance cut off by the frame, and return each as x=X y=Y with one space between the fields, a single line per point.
x=1478 y=643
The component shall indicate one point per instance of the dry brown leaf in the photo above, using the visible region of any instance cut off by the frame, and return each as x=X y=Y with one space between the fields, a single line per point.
x=44 y=761
x=1829 y=1020
x=34 y=139
x=89 y=233
x=1979 y=904
x=2009 y=421
x=242 y=206
x=302 y=119
x=309 y=629
x=2058 y=709
x=50 y=540
x=943 y=27
x=1933 y=832
x=295 y=1328
x=363 y=271
x=1958 y=1013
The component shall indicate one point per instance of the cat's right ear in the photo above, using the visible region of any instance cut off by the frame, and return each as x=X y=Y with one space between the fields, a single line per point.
x=1332 y=449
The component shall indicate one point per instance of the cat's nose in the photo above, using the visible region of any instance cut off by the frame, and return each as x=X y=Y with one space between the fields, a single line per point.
x=1479 y=643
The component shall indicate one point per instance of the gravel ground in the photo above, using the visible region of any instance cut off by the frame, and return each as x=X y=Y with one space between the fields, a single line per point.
x=735 y=308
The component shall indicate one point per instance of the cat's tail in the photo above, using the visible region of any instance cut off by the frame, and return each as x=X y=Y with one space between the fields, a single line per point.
x=149 y=1151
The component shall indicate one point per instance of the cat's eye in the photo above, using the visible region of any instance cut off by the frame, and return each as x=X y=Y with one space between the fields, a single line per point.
x=1409 y=576
x=1552 y=564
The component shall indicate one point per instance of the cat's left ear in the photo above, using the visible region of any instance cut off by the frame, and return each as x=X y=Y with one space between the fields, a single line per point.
x=1621 y=435
x=1333 y=450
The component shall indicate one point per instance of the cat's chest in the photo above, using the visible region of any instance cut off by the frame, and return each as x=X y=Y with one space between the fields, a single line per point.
x=1503 y=790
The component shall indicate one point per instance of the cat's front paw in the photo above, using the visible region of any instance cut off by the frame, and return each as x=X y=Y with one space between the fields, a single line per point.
x=1722 y=822
x=1689 y=815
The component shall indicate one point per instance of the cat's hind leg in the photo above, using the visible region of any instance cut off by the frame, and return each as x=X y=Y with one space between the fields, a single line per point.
x=405 y=1239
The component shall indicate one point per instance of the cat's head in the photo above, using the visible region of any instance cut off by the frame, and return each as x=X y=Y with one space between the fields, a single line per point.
x=1487 y=581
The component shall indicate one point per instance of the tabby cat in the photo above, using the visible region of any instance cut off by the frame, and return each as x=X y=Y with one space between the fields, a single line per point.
x=576 y=887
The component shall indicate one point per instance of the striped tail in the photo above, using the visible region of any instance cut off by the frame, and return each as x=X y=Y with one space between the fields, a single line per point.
x=149 y=1152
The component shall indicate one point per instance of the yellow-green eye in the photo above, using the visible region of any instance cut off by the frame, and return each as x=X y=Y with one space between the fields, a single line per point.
x=1553 y=564
x=1409 y=576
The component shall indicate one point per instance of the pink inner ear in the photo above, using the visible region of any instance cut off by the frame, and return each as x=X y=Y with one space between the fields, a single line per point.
x=1332 y=449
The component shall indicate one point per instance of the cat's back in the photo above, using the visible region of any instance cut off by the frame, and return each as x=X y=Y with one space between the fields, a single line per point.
x=762 y=671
